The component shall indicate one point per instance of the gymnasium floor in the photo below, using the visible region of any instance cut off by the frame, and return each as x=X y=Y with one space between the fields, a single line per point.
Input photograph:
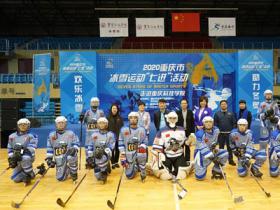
x=154 y=194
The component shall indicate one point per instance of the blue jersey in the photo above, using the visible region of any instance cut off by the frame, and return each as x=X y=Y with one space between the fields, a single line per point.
x=100 y=139
x=130 y=139
x=26 y=140
x=91 y=118
x=205 y=140
x=58 y=143
x=238 y=140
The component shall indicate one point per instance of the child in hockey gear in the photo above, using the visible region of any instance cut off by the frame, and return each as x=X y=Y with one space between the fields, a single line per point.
x=168 y=159
x=62 y=149
x=133 y=148
x=99 y=150
x=241 y=143
x=268 y=114
x=21 y=152
x=206 y=151
x=91 y=116
x=274 y=152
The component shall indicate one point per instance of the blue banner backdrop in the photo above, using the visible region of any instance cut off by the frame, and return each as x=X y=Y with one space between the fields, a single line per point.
x=77 y=82
x=127 y=78
x=41 y=88
x=255 y=75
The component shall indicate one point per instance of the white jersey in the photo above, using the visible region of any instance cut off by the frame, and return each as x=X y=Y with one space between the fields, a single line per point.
x=170 y=141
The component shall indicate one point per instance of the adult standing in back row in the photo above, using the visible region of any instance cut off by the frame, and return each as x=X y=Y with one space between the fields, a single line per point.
x=159 y=116
x=186 y=120
x=115 y=123
x=201 y=112
x=225 y=121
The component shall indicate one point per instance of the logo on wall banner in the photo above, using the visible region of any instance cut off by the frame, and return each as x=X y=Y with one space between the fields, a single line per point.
x=77 y=82
x=255 y=75
x=41 y=88
x=113 y=27
x=149 y=27
x=222 y=26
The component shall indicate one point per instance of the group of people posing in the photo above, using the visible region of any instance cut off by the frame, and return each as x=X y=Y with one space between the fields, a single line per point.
x=109 y=141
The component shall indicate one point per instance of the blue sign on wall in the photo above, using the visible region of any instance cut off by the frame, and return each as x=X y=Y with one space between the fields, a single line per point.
x=41 y=88
x=255 y=75
x=77 y=82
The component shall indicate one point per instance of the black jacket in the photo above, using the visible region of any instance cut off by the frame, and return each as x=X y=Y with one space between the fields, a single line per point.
x=189 y=121
x=157 y=119
x=115 y=124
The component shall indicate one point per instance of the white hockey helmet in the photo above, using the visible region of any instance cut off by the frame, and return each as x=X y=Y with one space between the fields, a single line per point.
x=133 y=114
x=171 y=115
x=242 y=121
x=94 y=99
x=23 y=121
x=60 y=119
x=102 y=119
x=267 y=92
x=207 y=119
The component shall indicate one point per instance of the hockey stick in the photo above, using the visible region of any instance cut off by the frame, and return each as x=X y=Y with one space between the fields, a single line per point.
x=4 y=171
x=63 y=204
x=109 y=203
x=237 y=199
x=255 y=178
x=17 y=205
x=81 y=136
x=184 y=191
x=81 y=119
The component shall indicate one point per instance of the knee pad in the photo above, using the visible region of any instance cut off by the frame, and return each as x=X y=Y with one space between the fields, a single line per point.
x=261 y=155
x=17 y=180
x=274 y=171
x=130 y=172
x=200 y=177
x=141 y=156
x=26 y=161
x=242 y=172
x=200 y=172
x=223 y=154
x=274 y=174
